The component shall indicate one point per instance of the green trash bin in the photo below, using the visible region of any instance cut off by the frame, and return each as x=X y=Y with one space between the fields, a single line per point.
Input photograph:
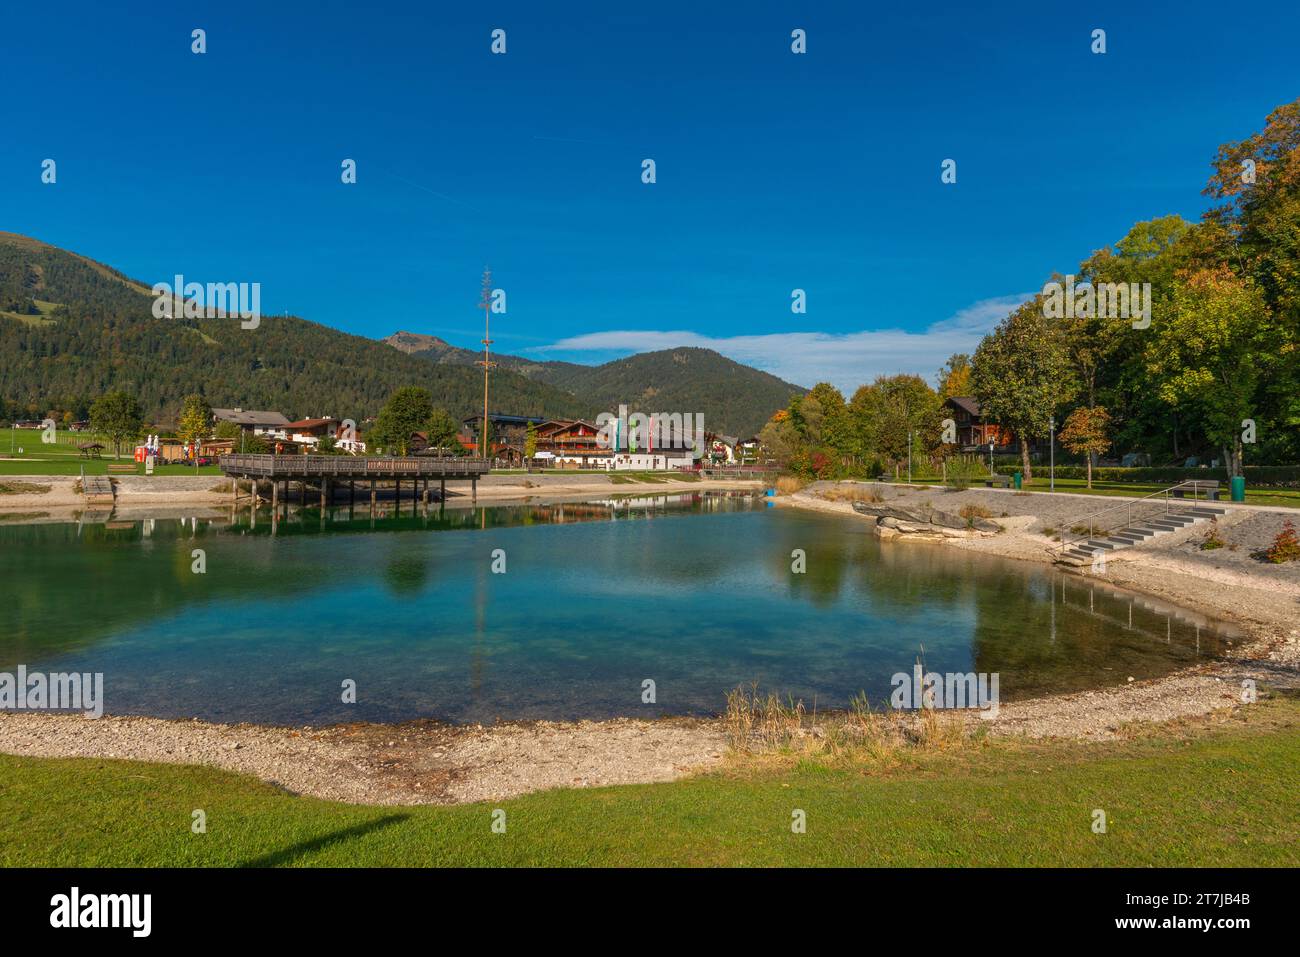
x=1239 y=488
x=1018 y=478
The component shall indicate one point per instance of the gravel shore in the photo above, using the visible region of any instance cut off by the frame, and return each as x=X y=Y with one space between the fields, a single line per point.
x=428 y=763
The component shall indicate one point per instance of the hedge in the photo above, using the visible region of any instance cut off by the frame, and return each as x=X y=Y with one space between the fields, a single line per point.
x=1257 y=476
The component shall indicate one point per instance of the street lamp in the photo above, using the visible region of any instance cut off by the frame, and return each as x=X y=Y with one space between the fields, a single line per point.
x=1052 y=468
x=991 y=457
x=909 y=456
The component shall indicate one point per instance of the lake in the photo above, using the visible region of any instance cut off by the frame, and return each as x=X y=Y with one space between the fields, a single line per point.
x=693 y=592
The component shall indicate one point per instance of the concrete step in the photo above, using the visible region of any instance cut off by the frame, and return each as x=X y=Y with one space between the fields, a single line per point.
x=1204 y=510
x=1103 y=543
x=1137 y=531
x=1127 y=539
x=1166 y=524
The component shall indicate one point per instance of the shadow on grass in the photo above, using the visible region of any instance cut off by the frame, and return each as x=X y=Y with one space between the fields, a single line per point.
x=288 y=854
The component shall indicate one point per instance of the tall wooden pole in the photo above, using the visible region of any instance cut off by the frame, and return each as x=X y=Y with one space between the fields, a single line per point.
x=485 y=304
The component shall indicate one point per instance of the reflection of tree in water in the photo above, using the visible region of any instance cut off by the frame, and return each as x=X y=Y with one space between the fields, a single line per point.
x=406 y=574
x=1048 y=632
x=911 y=576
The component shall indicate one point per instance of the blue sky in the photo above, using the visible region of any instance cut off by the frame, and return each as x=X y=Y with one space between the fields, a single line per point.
x=775 y=171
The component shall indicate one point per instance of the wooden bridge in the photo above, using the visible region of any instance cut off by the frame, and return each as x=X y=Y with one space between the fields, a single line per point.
x=323 y=470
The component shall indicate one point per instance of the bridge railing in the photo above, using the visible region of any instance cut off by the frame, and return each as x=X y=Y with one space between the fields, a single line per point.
x=349 y=466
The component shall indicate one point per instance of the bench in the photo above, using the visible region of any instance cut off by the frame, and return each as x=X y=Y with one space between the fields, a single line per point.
x=999 y=481
x=1209 y=486
x=122 y=469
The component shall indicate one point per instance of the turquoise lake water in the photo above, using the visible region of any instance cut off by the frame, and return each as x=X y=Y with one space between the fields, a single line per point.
x=693 y=592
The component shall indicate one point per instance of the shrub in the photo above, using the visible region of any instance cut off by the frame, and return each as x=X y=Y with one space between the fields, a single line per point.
x=1285 y=547
x=962 y=470
x=1212 y=539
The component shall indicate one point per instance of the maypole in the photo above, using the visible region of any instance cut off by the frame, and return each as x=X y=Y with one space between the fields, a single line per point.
x=485 y=304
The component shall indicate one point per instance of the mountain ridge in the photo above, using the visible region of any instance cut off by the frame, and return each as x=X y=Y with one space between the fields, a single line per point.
x=733 y=397
x=73 y=328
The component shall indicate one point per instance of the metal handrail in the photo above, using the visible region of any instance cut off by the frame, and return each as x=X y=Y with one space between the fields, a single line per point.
x=1194 y=484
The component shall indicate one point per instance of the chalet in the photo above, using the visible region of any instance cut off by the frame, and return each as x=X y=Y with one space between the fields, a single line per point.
x=972 y=431
x=510 y=429
x=749 y=451
x=974 y=434
x=721 y=449
x=348 y=439
x=255 y=421
x=311 y=431
x=573 y=444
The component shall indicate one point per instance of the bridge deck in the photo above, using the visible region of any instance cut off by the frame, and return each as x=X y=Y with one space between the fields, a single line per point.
x=349 y=467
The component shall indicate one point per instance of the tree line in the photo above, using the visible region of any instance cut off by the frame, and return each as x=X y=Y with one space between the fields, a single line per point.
x=1202 y=357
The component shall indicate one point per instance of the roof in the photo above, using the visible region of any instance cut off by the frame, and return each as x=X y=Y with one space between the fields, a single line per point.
x=502 y=419
x=563 y=425
x=250 y=417
x=311 y=423
x=967 y=402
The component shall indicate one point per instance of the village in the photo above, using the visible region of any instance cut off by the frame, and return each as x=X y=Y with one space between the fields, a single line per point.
x=517 y=442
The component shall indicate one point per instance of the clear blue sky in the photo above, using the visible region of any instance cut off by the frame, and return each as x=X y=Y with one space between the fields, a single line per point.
x=775 y=171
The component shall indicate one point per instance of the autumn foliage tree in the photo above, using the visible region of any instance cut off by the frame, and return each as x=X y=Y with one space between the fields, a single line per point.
x=1086 y=433
x=1023 y=374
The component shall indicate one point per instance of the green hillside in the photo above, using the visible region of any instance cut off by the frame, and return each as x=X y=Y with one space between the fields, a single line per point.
x=734 y=398
x=72 y=329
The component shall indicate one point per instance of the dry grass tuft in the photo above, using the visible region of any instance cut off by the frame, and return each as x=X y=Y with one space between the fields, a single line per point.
x=789 y=484
x=854 y=493
x=761 y=724
x=22 y=488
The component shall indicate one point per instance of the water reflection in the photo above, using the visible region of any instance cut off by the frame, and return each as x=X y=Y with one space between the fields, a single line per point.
x=694 y=591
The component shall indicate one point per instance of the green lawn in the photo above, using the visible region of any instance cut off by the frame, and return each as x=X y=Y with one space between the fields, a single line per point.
x=1222 y=795
x=1266 y=496
x=33 y=466
x=62 y=457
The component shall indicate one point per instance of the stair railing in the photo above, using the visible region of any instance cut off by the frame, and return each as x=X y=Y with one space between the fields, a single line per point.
x=1128 y=507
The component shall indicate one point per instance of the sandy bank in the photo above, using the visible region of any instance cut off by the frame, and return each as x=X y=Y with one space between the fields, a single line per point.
x=55 y=498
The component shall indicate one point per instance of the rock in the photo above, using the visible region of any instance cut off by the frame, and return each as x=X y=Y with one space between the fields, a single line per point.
x=921 y=519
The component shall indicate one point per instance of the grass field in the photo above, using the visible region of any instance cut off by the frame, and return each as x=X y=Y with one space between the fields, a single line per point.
x=1219 y=795
x=62 y=457
x=1265 y=496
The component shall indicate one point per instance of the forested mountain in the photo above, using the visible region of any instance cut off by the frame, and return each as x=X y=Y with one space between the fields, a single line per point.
x=72 y=329
x=734 y=398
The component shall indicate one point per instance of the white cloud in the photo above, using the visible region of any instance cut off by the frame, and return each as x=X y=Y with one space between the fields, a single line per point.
x=846 y=360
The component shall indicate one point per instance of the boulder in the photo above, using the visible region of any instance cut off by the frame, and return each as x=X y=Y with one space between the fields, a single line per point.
x=922 y=519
